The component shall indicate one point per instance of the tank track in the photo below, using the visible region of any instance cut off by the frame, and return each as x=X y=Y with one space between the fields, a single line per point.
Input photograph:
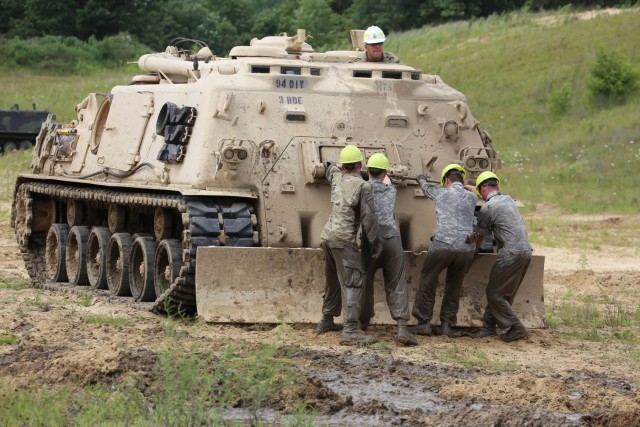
x=206 y=222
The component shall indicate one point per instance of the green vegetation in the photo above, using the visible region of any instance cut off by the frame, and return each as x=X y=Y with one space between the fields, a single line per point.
x=10 y=166
x=471 y=357
x=86 y=300
x=612 y=76
x=224 y=24
x=8 y=339
x=190 y=388
x=569 y=232
x=40 y=302
x=62 y=55
x=108 y=320
x=585 y=317
x=14 y=284
x=526 y=78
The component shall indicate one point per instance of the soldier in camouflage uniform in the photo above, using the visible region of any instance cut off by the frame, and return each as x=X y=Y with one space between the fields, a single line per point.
x=391 y=259
x=500 y=215
x=452 y=248
x=373 y=48
x=352 y=204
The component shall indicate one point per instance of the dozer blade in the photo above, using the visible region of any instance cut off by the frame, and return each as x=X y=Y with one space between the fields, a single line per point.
x=274 y=285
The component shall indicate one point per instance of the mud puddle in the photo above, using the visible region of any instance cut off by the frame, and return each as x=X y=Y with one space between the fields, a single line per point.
x=392 y=392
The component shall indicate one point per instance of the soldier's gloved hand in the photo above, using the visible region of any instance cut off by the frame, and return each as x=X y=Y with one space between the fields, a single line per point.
x=376 y=251
x=422 y=179
x=329 y=164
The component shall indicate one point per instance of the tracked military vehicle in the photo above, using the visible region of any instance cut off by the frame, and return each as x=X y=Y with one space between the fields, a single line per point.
x=200 y=186
x=19 y=128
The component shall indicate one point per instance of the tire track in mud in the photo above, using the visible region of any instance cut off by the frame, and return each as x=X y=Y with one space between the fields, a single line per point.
x=396 y=392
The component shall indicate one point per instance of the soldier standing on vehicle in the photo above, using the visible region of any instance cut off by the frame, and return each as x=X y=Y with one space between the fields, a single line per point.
x=373 y=47
x=391 y=259
x=452 y=248
x=500 y=215
x=353 y=204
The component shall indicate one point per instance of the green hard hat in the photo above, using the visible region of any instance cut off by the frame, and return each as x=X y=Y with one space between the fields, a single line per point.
x=448 y=168
x=350 y=154
x=483 y=177
x=378 y=161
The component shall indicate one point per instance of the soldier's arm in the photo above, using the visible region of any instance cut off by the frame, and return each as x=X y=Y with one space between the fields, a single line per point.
x=331 y=170
x=484 y=221
x=429 y=189
x=368 y=216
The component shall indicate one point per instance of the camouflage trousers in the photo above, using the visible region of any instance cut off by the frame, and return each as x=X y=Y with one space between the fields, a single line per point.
x=343 y=273
x=457 y=262
x=504 y=281
x=391 y=261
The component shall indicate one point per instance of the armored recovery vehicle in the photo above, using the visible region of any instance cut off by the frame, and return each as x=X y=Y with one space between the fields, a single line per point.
x=19 y=128
x=200 y=186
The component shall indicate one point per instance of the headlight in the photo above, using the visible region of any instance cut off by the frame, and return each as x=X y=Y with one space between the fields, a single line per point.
x=242 y=154
x=228 y=154
x=470 y=163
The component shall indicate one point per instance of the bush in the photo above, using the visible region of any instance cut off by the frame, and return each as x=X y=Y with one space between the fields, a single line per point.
x=612 y=76
x=559 y=99
x=62 y=55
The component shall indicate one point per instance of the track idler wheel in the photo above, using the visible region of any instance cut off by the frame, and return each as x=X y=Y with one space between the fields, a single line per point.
x=97 y=250
x=76 y=255
x=168 y=263
x=118 y=258
x=74 y=213
x=142 y=268
x=56 y=245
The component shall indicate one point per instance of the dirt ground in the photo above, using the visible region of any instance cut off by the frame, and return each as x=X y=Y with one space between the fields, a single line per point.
x=544 y=380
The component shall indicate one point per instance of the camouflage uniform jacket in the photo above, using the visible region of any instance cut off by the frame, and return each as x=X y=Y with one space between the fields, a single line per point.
x=384 y=197
x=500 y=215
x=455 y=208
x=387 y=58
x=352 y=201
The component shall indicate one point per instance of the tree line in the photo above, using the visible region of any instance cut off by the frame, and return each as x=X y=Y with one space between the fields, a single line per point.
x=223 y=24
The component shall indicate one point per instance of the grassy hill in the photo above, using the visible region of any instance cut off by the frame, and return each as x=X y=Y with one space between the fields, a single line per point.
x=525 y=77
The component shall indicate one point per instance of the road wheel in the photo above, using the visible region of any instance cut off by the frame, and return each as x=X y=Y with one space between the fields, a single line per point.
x=142 y=268
x=25 y=145
x=55 y=249
x=168 y=263
x=97 y=250
x=76 y=256
x=118 y=258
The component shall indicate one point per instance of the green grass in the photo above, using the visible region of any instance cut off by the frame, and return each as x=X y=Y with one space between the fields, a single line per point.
x=86 y=300
x=585 y=317
x=14 y=284
x=471 y=357
x=57 y=94
x=569 y=232
x=40 y=302
x=8 y=339
x=10 y=166
x=189 y=387
x=528 y=85
x=108 y=320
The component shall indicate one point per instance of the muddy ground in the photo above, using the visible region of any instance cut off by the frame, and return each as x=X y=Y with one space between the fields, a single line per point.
x=547 y=379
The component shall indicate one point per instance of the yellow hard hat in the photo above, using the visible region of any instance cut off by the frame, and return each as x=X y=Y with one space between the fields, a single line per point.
x=373 y=35
x=378 y=161
x=483 y=177
x=350 y=154
x=449 y=168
